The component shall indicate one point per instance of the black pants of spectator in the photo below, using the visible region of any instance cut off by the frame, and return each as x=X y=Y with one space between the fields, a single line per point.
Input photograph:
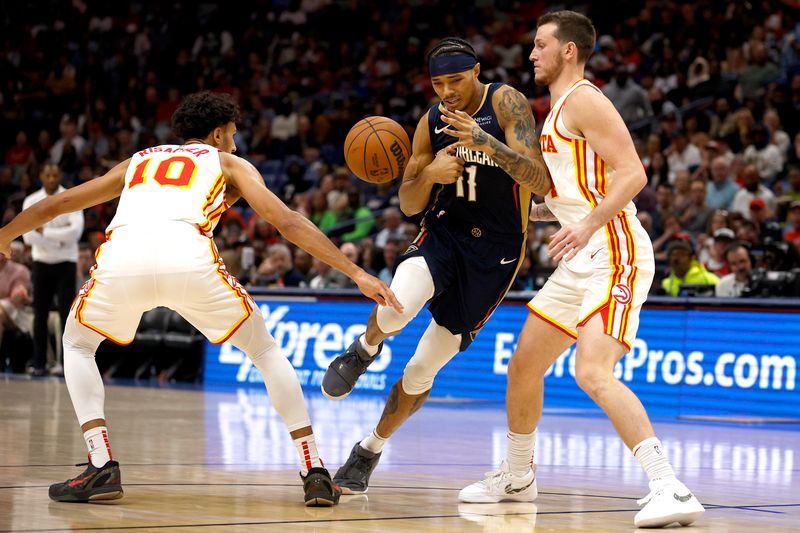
x=50 y=280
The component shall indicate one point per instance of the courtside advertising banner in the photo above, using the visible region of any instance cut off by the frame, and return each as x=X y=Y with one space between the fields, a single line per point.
x=684 y=362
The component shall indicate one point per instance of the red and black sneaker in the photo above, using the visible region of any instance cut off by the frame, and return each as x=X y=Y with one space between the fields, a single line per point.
x=104 y=483
x=320 y=490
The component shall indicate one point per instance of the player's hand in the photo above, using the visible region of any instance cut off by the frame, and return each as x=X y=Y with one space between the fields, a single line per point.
x=5 y=249
x=569 y=240
x=446 y=168
x=379 y=291
x=464 y=128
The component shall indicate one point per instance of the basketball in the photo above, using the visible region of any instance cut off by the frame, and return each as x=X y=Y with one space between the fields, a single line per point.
x=377 y=149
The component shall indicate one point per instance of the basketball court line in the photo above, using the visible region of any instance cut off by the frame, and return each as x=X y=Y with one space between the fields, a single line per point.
x=367 y=519
x=765 y=508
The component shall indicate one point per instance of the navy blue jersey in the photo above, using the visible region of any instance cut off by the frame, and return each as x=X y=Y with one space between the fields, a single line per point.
x=485 y=197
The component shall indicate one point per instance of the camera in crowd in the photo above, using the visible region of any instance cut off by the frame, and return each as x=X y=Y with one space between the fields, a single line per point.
x=771 y=283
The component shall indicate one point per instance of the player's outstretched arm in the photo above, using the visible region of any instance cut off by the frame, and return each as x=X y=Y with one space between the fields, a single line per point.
x=590 y=114
x=99 y=190
x=521 y=158
x=424 y=171
x=246 y=180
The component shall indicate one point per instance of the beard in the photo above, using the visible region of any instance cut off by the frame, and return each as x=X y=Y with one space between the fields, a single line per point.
x=546 y=77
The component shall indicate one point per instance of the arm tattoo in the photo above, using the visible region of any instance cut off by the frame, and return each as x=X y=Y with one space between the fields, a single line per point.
x=514 y=108
x=542 y=212
x=529 y=173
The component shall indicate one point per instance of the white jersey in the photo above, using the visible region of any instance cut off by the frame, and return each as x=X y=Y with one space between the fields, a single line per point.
x=612 y=274
x=580 y=176
x=173 y=183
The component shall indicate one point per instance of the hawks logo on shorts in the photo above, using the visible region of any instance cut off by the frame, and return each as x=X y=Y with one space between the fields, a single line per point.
x=622 y=294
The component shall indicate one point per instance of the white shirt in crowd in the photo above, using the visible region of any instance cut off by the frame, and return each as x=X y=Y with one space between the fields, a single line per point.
x=728 y=287
x=58 y=242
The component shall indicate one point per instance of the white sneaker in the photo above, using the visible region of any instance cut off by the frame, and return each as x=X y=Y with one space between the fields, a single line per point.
x=666 y=504
x=501 y=486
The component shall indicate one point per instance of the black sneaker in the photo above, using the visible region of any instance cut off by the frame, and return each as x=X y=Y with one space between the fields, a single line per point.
x=320 y=490
x=94 y=483
x=353 y=475
x=344 y=371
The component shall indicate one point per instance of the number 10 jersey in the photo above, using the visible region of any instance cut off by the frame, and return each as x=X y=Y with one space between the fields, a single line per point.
x=173 y=183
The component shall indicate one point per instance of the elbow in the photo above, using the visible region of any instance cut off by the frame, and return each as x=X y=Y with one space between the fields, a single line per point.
x=408 y=210
x=641 y=180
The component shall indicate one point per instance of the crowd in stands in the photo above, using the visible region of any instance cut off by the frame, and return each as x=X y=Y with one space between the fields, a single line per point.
x=710 y=91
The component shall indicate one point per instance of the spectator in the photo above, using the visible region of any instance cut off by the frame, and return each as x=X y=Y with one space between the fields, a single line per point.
x=732 y=285
x=681 y=155
x=721 y=189
x=71 y=138
x=391 y=250
x=392 y=227
x=362 y=218
x=758 y=73
x=628 y=96
x=792 y=191
x=685 y=269
x=18 y=156
x=55 y=256
x=277 y=269
x=753 y=188
x=15 y=311
x=764 y=155
x=695 y=217
x=715 y=260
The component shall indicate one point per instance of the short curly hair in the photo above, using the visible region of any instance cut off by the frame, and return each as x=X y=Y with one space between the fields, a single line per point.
x=200 y=113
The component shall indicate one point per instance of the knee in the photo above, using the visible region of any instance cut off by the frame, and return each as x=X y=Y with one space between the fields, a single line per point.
x=592 y=378
x=417 y=378
x=523 y=366
x=390 y=320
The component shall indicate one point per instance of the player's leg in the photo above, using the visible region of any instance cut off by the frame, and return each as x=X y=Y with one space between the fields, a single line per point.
x=436 y=347
x=220 y=308
x=597 y=353
x=101 y=480
x=287 y=398
x=540 y=344
x=413 y=285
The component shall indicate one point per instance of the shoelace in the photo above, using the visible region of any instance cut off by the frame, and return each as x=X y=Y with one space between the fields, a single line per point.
x=496 y=477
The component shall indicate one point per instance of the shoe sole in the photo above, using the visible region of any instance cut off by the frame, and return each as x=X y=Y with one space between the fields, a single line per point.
x=683 y=519
x=107 y=493
x=510 y=498
x=347 y=490
x=334 y=398
x=321 y=501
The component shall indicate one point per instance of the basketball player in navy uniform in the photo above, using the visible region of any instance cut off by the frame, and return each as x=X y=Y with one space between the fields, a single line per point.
x=470 y=247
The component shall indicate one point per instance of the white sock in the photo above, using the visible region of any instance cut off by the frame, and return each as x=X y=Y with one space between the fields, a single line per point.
x=651 y=455
x=520 y=451
x=370 y=349
x=97 y=444
x=309 y=456
x=374 y=442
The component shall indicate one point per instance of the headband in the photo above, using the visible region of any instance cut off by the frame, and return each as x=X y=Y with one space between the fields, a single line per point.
x=440 y=65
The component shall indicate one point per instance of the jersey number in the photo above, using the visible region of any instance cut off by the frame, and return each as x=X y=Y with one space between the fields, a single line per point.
x=472 y=173
x=167 y=172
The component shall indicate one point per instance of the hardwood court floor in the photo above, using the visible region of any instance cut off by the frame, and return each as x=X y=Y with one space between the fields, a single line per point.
x=222 y=461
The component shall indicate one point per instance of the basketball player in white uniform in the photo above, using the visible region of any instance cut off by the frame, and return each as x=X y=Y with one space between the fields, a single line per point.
x=605 y=271
x=160 y=252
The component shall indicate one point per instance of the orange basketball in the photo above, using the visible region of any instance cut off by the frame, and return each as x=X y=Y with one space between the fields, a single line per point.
x=377 y=149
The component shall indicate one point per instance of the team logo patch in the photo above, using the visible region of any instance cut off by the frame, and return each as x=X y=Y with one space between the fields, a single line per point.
x=412 y=248
x=622 y=294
